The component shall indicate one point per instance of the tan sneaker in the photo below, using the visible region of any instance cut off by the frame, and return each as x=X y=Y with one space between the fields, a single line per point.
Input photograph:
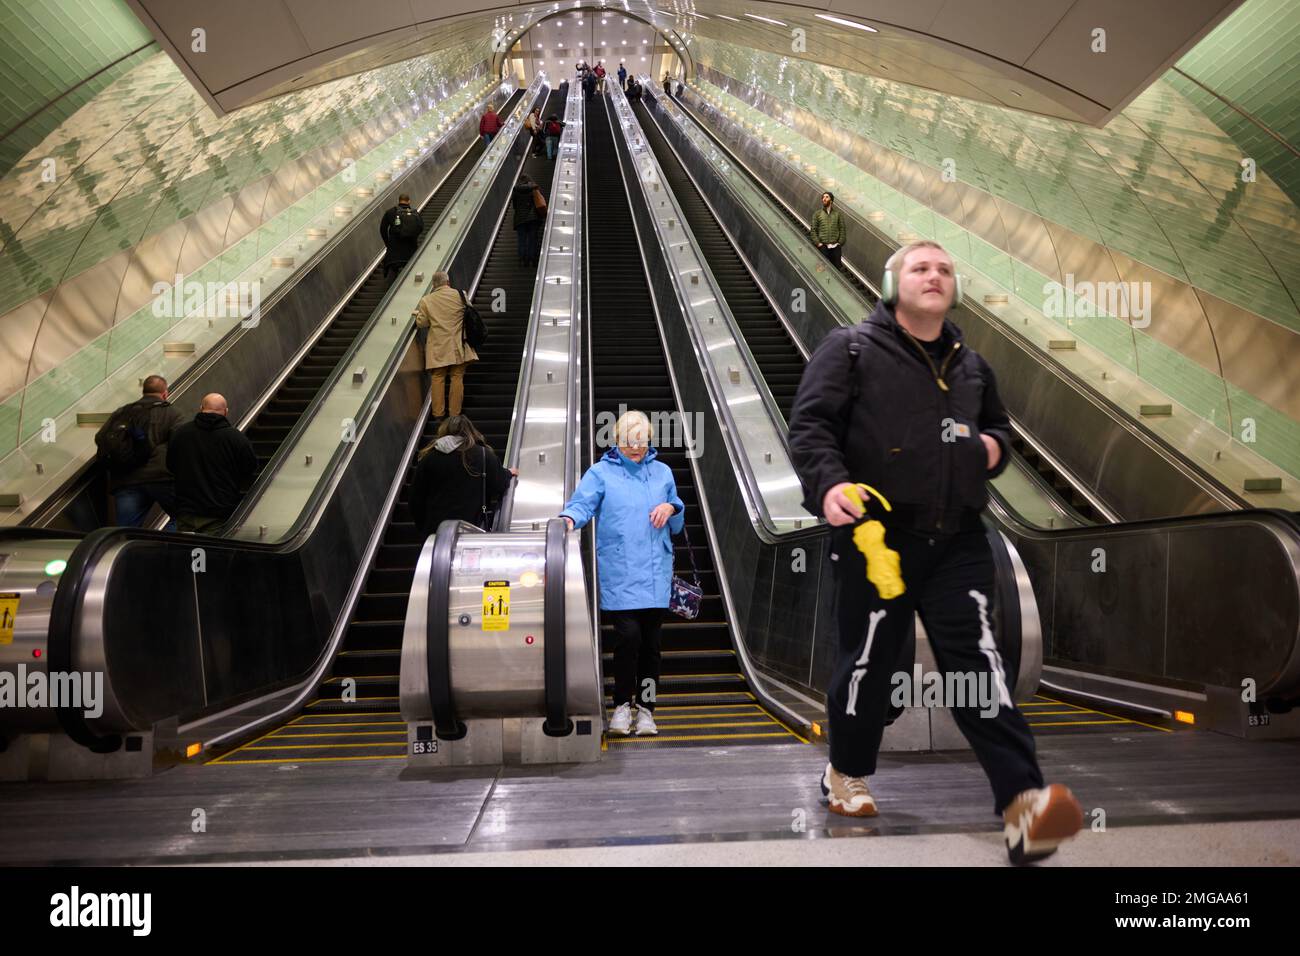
x=1038 y=821
x=847 y=795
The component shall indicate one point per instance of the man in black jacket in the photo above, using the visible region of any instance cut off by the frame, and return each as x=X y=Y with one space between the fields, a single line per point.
x=213 y=463
x=400 y=229
x=136 y=490
x=901 y=405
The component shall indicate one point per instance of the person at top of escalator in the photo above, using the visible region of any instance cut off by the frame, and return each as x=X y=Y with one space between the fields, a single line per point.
x=446 y=353
x=633 y=89
x=827 y=229
x=213 y=463
x=400 y=230
x=634 y=497
x=458 y=477
x=622 y=76
x=132 y=444
x=895 y=431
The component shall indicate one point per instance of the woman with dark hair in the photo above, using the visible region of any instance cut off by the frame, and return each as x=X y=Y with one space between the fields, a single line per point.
x=457 y=476
x=528 y=207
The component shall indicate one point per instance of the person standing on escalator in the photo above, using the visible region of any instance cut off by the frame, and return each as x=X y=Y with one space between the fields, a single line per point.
x=400 y=230
x=457 y=477
x=446 y=353
x=634 y=497
x=898 y=410
x=528 y=209
x=828 y=230
x=489 y=124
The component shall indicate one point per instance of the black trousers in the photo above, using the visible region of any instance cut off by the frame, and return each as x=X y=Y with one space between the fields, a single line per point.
x=949 y=581
x=636 y=655
x=836 y=255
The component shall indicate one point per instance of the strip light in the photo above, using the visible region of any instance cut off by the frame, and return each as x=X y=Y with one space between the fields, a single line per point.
x=847 y=23
x=755 y=16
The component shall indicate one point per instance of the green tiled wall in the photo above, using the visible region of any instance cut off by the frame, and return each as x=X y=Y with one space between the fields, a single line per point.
x=1185 y=381
x=1159 y=184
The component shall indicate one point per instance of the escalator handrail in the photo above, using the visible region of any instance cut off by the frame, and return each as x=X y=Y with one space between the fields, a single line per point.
x=438 y=631
x=755 y=503
x=554 y=631
x=82 y=563
x=289 y=444
x=523 y=390
x=811 y=283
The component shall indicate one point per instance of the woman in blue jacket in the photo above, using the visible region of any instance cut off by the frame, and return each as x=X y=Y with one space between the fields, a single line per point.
x=635 y=498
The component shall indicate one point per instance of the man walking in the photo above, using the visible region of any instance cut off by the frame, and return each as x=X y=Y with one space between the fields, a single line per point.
x=213 y=463
x=400 y=229
x=622 y=77
x=828 y=230
x=133 y=445
x=901 y=405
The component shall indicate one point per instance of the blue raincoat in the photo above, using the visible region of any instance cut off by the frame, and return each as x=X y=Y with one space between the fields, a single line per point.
x=634 y=559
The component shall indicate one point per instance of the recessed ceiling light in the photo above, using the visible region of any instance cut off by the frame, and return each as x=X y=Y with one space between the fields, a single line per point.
x=847 y=23
x=755 y=16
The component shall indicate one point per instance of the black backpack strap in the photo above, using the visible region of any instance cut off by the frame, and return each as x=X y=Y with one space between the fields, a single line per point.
x=855 y=349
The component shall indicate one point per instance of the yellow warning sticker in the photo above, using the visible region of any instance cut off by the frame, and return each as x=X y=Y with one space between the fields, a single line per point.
x=8 y=614
x=496 y=605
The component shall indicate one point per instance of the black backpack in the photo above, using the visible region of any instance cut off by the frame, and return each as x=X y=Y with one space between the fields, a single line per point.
x=408 y=223
x=473 y=331
x=123 y=443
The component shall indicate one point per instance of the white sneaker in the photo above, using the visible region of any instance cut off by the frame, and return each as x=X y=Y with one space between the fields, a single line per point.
x=645 y=723
x=848 y=796
x=621 y=722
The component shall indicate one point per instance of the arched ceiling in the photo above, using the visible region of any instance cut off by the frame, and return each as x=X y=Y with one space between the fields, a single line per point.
x=1036 y=55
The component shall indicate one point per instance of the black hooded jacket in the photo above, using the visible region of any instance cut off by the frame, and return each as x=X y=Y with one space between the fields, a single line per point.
x=901 y=422
x=444 y=489
x=213 y=463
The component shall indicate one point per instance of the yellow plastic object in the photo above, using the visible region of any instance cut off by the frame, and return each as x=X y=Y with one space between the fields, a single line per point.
x=884 y=564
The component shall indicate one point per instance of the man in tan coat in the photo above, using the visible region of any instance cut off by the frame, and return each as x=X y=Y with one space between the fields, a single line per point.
x=442 y=312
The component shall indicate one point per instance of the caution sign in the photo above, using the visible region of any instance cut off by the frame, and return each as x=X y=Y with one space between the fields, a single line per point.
x=8 y=614
x=496 y=605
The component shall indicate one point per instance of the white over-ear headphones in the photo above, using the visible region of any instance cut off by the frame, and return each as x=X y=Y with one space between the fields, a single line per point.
x=889 y=282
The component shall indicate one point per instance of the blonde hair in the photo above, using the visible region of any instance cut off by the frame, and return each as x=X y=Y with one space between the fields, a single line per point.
x=895 y=262
x=633 y=421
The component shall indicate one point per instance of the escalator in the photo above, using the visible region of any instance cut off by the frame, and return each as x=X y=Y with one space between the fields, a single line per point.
x=702 y=698
x=763 y=331
x=362 y=720
x=776 y=372
x=276 y=419
x=1126 y=680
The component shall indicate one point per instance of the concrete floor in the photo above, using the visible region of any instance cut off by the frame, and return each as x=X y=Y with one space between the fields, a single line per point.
x=1190 y=798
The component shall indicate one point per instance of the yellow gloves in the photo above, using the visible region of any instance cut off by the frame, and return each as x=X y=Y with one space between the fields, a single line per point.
x=884 y=566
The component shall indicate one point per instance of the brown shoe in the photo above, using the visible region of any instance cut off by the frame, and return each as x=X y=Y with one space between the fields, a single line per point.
x=1038 y=821
x=848 y=796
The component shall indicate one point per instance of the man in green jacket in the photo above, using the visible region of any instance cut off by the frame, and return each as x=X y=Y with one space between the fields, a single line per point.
x=828 y=229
